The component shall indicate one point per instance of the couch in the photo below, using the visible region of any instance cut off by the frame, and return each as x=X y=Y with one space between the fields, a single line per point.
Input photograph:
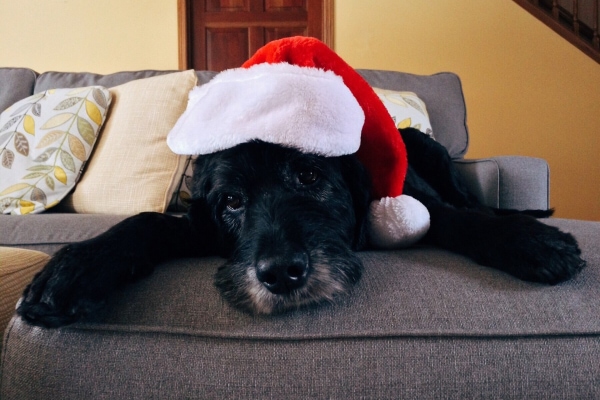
x=422 y=323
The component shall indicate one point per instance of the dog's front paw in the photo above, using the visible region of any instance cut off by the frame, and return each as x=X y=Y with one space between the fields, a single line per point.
x=68 y=288
x=537 y=252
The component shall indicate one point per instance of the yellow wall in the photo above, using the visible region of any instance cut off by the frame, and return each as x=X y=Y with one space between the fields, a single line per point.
x=100 y=36
x=528 y=91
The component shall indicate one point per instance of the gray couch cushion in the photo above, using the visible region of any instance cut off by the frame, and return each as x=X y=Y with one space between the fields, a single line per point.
x=15 y=84
x=524 y=182
x=422 y=323
x=482 y=179
x=52 y=80
x=48 y=232
x=511 y=182
x=75 y=365
x=443 y=96
x=418 y=291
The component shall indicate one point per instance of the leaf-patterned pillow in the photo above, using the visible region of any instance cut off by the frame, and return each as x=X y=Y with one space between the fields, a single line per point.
x=45 y=140
x=406 y=109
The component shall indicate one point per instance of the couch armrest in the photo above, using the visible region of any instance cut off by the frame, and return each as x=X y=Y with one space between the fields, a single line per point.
x=513 y=182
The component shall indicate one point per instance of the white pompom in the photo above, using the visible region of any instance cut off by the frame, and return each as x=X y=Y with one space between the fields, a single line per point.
x=397 y=222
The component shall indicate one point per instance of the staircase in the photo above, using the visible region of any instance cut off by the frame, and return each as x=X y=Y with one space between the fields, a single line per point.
x=575 y=20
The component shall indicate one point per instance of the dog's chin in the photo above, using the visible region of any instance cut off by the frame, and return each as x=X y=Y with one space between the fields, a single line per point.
x=329 y=278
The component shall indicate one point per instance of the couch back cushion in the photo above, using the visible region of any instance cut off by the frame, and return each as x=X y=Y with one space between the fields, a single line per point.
x=51 y=80
x=443 y=96
x=15 y=85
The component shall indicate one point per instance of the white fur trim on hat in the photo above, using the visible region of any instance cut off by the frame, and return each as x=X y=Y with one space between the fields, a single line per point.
x=397 y=222
x=302 y=107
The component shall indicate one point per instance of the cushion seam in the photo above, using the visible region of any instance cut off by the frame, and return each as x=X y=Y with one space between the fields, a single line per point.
x=137 y=329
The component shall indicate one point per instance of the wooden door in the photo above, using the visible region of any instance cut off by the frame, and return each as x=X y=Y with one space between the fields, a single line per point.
x=220 y=34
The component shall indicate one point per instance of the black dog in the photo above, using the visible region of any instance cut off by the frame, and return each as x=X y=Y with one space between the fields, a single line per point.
x=289 y=224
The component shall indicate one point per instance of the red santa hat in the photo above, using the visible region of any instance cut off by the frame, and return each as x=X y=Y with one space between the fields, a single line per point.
x=299 y=93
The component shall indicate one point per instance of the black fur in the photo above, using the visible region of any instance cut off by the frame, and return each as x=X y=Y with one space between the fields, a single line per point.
x=289 y=225
x=509 y=240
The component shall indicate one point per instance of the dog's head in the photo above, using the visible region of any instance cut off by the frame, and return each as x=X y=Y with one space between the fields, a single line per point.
x=287 y=221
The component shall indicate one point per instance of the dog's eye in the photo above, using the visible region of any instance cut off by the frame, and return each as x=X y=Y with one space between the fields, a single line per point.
x=233 y=202
x=308 y=177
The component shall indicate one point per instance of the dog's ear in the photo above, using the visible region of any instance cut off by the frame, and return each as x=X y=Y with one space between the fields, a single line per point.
x=201 y=180
x=200 y=213
x=359 y=183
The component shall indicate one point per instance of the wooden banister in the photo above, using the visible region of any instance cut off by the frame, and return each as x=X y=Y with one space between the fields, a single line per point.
x=575 y=20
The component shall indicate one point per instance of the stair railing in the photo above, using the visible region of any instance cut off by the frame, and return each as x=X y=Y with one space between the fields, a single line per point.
x=575 y=20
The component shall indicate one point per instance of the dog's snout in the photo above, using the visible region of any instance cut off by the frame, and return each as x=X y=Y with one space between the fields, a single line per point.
x=283 y=275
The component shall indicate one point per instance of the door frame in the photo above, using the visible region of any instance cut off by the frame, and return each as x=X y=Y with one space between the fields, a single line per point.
x=183 y=18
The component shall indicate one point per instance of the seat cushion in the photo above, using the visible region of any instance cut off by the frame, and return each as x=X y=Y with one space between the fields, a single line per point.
x=418 y=291
x=48 y=232
x=422 y=323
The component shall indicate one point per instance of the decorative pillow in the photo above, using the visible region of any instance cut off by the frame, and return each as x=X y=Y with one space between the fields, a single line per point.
x=132 y=169
x=407 y=109
x=45 y=141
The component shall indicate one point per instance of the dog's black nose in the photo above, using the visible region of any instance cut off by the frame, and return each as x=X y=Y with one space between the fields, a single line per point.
x=283 y=274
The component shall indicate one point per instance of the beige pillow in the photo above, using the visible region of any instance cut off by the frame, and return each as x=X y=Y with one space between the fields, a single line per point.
x=17 y=268
x=132 y=169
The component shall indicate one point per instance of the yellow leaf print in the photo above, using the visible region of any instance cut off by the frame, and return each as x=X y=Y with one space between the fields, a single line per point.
x=57 y=120
x=93 y=112
x=405 y=123
x=50 y=138
x=77 y=147
x=396 y=99
x=86 y=131
x=26 y=207
x=15 y=188
x=60 y=174
x=77 y=91
x=29 y=124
